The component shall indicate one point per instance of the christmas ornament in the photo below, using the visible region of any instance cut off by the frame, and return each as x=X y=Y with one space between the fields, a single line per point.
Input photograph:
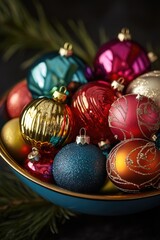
x=47 y=123
x=39 y=164
x=109 y=188
x=121 y=57
x=54 y=70
x=80 y=166
x=134 y=115
x=13 y=141
x=134 y=165
x=90 y=105
x=148 y=85
x=18 y=97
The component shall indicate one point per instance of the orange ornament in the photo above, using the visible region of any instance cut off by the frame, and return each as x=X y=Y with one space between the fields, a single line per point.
x=134 y=165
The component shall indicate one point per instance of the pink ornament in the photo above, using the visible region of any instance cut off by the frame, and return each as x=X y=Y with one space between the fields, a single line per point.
x=132 y=116
x=18 y=97
x=90 y=105
x=39 y=165
x=121 y=57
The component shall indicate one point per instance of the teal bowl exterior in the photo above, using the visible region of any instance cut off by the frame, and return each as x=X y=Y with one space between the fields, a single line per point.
x=93 y=205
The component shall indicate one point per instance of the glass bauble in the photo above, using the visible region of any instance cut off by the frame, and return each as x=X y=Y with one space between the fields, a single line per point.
x=46 y=122
x=133 y=165
x=134 y=115
x=121 y=58
x=90 y=105
x=56 y=69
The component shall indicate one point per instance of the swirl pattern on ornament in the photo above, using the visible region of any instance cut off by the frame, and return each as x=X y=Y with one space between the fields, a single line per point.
x=134 y=116
x=91 y=106
x=134 y=165
x=148 y=116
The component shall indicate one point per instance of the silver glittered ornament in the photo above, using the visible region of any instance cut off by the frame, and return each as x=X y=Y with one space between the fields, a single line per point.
x=148 y=85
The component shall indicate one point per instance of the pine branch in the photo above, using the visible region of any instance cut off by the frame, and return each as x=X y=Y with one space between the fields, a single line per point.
x=23 y=214
x=21 y=31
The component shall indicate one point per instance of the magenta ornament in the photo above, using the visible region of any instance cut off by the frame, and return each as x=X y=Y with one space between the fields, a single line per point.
x=121 y=58
x=39 y=164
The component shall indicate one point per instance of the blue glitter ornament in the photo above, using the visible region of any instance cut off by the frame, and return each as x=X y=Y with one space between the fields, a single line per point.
x=55 y=69
x=80 y=166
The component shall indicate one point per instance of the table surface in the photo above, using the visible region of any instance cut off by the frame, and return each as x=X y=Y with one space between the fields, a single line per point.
x=140 y=226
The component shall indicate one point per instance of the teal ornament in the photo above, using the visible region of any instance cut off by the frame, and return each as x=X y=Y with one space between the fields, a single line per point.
x=56 y=69
x=80 y=166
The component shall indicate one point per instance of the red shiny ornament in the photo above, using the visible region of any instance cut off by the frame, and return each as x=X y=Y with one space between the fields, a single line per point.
x=40 y=167
x=90 y=105
x=18 y=97
x=121 y=57
x=134 y=165
x=132 y=116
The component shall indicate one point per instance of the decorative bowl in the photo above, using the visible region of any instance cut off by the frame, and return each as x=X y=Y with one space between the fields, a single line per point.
x=106 y=204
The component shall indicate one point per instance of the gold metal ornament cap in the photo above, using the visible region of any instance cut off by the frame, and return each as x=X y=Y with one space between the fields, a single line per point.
x=34 y=155
x=152 y=57
x=118 y=84
x=82 y=138
x=67 y=50
x=124 y=35
x=60 y=95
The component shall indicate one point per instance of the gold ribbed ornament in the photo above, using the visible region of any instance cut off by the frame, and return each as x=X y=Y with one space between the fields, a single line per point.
x=46 y=123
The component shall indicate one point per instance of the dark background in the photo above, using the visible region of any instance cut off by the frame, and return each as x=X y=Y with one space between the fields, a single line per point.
x=141 y=17
x=143 y=20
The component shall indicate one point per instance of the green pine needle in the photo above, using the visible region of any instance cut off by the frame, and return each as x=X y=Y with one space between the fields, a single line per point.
x=21 y=31
x=23 y=214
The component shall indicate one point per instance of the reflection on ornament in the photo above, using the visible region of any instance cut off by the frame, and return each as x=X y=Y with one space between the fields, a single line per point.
x=18 y=97
x=13 y=141
x=148 y=85
x=121 y=57
x=132 y=116
x=47 y=123
x=54 y=70
x=80 y=166
x=134 y=165
x=90 y=105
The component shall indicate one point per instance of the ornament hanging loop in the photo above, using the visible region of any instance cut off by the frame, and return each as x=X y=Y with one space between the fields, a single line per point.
x=67 y=50
x=82 y=138
x=62 y=89
x=82 y=130
x=124 y=35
